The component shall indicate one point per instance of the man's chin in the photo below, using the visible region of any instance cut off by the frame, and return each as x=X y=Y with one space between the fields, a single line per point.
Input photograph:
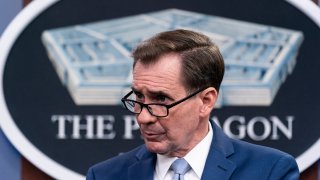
x=155 y=147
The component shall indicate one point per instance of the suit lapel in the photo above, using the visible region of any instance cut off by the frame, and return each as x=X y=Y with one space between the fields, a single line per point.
x=144 y=167
x=218 y=166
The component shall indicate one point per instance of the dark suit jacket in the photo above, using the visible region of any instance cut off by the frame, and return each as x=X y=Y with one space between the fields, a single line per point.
x=227 y=159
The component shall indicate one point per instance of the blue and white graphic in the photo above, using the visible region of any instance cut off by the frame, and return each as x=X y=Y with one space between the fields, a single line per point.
x=93 y=60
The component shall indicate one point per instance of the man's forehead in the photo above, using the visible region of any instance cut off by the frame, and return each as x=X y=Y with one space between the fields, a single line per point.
x=156 y=85
x=166 y=88
x=164 y=76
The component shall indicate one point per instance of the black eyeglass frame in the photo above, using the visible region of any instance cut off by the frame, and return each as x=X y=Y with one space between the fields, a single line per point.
x=168 y=106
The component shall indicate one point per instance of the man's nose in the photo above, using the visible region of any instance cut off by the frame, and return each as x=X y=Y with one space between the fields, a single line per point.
x=145 y=117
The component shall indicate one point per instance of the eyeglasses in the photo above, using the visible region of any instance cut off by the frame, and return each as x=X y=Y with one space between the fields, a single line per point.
x=155 y=109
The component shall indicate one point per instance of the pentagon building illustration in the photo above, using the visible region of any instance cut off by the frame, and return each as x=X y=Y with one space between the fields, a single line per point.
x=93 y=60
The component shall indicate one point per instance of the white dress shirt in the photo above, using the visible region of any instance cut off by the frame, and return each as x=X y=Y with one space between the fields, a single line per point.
x=196 y=159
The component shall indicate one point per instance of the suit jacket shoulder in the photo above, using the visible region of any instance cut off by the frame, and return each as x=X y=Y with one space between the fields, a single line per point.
x=235 y=159
x=125 y=166
x=262 y=162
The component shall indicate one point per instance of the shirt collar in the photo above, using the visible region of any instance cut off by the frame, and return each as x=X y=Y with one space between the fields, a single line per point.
x=163 y=165
x=196 y=157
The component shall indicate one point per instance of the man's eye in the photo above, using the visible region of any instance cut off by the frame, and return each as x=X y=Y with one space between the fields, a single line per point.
x=139 y=96
x=161 y=98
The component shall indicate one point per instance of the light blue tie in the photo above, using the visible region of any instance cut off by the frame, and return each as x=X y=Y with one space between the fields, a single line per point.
x=179 y=167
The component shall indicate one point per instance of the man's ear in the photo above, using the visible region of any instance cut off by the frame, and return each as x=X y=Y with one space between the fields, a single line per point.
x=208 y=98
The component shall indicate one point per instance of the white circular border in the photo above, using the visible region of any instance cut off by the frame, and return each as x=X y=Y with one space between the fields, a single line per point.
x=46 y=164
x=311 y=155
x=10 y=129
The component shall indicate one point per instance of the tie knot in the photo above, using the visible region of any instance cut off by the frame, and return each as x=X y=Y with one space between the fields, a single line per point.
x=180 y=166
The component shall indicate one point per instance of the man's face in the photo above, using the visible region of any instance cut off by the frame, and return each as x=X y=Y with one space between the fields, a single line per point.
x=182 y=129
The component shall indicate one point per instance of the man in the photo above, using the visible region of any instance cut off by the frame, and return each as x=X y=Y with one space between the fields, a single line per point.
x=176 y=79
